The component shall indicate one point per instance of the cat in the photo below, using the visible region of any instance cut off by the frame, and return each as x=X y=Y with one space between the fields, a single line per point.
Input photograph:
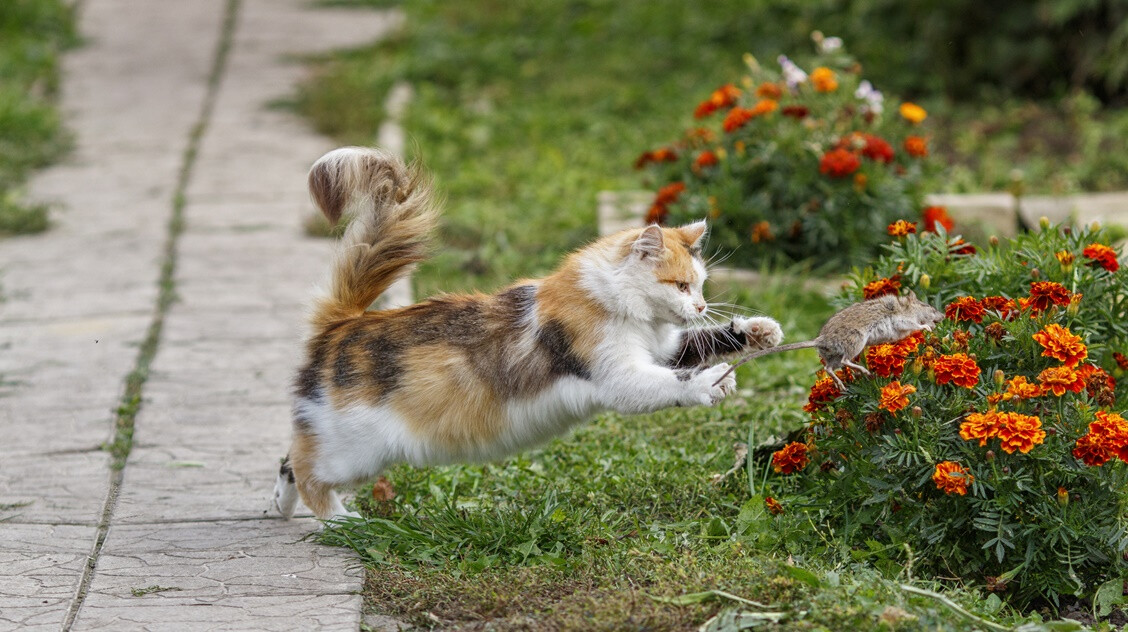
x=473 y=377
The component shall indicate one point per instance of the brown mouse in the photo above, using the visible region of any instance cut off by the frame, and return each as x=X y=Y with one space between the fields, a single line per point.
x=880 y=320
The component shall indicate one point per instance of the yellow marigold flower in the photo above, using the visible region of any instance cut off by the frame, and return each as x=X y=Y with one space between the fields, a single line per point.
x=1059 y=379
x=1018 y=387
x=895 y=396
x=1061 y=344
x=1020 y=432
x=900 y=228
x=981 y=426
x=824 y=79
x=773 y=505
x=952 y=478
x=913 y=113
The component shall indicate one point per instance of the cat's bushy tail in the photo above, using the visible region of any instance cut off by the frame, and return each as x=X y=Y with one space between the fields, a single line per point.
x=391 y=212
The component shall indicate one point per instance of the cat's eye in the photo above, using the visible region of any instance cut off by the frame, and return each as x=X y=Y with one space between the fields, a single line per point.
x=682 y=286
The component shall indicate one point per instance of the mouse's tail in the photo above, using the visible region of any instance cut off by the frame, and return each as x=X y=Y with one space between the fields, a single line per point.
x=806 y=344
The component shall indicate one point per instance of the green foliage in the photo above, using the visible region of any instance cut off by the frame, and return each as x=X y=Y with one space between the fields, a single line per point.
x=1037 y=522
x=32 y=35
x=818 y=172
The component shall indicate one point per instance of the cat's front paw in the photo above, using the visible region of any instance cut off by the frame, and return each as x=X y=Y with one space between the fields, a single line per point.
x=708 y=387
x=760 y=332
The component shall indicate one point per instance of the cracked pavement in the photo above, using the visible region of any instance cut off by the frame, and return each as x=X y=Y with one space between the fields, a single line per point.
x=77 y=301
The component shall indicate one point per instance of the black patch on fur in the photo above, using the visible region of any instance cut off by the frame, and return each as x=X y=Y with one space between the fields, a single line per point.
x=516 y=303
x=685 y=375
x=307 y=384
x=701 y=345
x=345 y=373
x=385 y=353
x=302 y=426
x=454 y=322
x=287 y=471
x=555 y=341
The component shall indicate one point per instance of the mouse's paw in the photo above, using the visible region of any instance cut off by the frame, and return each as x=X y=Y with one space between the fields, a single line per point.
x=708 y=387
x=760 y=332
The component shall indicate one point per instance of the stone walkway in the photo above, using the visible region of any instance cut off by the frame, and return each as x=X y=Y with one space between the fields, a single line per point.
x=169 y=105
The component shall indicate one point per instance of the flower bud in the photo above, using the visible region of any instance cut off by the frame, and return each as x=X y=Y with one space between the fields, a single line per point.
x=1006 y=469
x=1035 y=273
x=1051 y=431
x=1044 y=222
x=1068 y=230
x=925 y=281
x=917 y=366
x=1063 y=496
x=1074 y=305
x=990 y=456
x=994 y=240
x=1000 y=378
x=916 y=412
x=896 y=431
x=1095 y=226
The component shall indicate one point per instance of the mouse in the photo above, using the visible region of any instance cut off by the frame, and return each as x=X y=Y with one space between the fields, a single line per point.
x=881 y=320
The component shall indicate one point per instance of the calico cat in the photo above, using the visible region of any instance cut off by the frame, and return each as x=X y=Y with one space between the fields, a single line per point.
x=474 y=377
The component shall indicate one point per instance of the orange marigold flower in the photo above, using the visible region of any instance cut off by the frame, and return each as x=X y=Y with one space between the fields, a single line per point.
x=762 y=231
x=1018 y=387
x=956 y=368
x=736 y=119
x=722 y=97
x=664 y=154
x=769 y=90
x=1112 y=429
x=881 y=287
x=1091 y=451
x=792 y=458
x=1121 y=360
x=1059 y=379
x=823 y=392
x=916 y=146
x=933 y=215
x=980 y=426
x=895 y=396
x=877 y=149
x=824 y=79
x=773 y=505
x=1046 y=293
x=1020 y=432
x=1103 y=256
x=1061 y=344
x=1005 y=306
x=965 y=308
x=764 y=106
x=913 y=113
x=1064 y=257
x=705 y=159
x=900 y=228
x=952 y=478
x=657 y=214
x=961 y=247
x=795 y=111
x=839 y=163
x=886 y=360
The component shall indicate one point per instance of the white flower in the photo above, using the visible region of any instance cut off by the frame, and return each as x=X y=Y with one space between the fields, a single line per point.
x=874 y=99
x=830 y=44
x=792 y=75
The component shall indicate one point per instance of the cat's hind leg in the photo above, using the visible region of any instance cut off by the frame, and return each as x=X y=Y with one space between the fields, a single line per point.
x=285 y=490
x=317 y=494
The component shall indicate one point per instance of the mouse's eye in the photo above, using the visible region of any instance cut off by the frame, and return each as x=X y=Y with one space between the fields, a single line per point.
x=682 y=286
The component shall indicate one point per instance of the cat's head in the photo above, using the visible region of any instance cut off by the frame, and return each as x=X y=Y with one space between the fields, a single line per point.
x=664 y=273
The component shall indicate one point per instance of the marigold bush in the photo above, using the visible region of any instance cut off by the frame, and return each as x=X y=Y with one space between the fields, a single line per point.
x=993 y=448
x=794 y=166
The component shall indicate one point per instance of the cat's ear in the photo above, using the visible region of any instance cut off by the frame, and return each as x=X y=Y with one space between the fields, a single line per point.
x=694 y=233
x=649 y=243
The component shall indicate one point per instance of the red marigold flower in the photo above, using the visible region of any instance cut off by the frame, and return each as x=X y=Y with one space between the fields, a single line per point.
x=965 y=308
x=669 y=193
x=1005 y=306
x=1061 y=344
x=961 y=247
x=722 y=97
x=1019 y=388
x=886 y=360
x=792 y=458
x=880 y=287
x=823 y=392
x=877 y=149
x=900 y=228
x=1091 y=451
x=769 y=90
x=1046 y=293
x=1098 y=383
x=736 y=119
x=933 y=215
x=1121 y=360
x=839 y=163
x=980 y=426
x=956 y=368
x=1103 y=256
x=705 y=159
x=952 y=478
x=657 y=214
x=916 y=146
x=664 y=154
x=1020 y=432
x=773 y=505
x=795 y=111
x=1059 y=379
x=895 y=396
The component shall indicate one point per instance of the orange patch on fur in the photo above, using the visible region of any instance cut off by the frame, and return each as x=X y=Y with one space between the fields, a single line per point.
x=316 y=494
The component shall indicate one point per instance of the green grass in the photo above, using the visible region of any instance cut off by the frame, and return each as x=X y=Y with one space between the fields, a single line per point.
x=33 y=33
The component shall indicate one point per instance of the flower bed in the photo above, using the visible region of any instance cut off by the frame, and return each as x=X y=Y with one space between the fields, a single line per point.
x=794 y=166
x=992 y=448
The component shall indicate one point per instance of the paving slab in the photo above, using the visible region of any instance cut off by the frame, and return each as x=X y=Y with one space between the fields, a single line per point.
x=39 y=570
x=169 y=613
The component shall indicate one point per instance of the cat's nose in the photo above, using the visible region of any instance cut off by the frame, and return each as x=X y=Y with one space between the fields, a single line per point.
x=701 y=307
